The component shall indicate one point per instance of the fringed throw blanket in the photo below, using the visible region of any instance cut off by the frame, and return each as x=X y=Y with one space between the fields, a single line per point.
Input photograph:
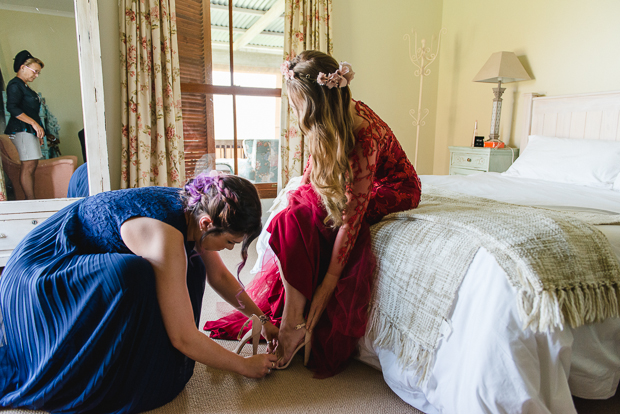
x=562 y=267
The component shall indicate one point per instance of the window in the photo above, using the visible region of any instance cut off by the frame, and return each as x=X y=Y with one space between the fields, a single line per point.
x=231 y=95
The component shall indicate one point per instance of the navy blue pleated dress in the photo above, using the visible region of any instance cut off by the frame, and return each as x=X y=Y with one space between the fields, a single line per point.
x=81 y=328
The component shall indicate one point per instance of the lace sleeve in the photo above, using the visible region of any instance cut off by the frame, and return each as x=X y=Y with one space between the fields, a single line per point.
x=306 y=177
x=363 y=164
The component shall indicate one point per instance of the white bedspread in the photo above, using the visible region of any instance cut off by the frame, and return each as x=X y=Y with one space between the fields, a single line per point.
x=479 y=368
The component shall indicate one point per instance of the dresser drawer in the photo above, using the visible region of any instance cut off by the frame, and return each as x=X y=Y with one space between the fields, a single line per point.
x=470 y=160
x=13 y=230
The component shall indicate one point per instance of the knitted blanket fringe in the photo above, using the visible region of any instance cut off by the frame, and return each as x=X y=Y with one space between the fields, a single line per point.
x=577 y=305
x=561 y=266
x=410 y=354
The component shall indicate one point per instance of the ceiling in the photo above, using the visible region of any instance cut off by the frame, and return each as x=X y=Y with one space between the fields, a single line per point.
x=258 y=25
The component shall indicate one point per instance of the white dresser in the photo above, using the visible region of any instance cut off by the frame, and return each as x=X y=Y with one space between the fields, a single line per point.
x=472 y=160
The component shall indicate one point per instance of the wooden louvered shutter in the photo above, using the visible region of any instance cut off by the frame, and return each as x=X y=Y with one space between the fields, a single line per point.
x=193 y=16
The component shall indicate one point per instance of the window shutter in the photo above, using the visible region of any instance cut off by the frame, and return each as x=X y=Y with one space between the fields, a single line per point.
x=196 y=65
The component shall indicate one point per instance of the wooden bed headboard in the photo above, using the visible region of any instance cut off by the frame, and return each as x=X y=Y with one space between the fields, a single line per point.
x=589 y=116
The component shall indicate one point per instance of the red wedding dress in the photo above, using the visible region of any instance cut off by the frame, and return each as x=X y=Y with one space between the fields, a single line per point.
x=304 y=249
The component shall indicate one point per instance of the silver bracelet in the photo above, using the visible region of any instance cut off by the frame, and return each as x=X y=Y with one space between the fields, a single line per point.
x=263 y=319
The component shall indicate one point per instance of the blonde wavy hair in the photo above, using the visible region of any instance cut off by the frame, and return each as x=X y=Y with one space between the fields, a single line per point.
x=325 y=118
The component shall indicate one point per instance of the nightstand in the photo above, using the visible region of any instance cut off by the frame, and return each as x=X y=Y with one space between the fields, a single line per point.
x=472 y=160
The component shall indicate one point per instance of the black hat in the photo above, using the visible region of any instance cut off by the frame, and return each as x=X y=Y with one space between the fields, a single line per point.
x=20 y=58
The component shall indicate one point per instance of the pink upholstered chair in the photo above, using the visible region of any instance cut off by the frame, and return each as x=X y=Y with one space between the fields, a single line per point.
x=51 y=178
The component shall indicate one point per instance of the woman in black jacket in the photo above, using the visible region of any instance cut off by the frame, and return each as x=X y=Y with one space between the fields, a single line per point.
x=24 y=126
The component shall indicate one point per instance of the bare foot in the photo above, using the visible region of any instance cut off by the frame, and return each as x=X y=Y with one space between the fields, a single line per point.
x=289 y=339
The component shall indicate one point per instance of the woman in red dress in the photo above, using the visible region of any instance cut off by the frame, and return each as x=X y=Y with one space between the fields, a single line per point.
x=317 y=283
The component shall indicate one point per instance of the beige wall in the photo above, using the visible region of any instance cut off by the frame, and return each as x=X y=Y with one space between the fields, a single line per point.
x=567 y=46
x=370 y=35
x=52 y=39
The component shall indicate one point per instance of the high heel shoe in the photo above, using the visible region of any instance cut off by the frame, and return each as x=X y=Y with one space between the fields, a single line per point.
x=253 y=334
x=306 y=344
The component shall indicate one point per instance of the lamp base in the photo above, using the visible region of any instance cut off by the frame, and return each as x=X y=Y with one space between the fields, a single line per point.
x=494 y=143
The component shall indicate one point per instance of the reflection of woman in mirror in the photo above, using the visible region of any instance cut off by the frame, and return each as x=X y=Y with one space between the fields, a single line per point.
x=24 y=126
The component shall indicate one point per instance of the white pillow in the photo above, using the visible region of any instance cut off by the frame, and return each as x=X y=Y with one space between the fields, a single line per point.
x=590 y=162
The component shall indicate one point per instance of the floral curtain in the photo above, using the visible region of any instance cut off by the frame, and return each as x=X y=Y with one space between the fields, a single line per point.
x=152 y=134
x=307 y=26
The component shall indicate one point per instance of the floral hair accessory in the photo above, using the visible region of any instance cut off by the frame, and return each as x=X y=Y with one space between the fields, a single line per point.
x=340 y=78
x=347 y=71
x=286 y=70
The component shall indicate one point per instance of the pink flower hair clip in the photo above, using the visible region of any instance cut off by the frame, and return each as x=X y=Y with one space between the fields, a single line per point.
x=286 y=70
x=340 y=78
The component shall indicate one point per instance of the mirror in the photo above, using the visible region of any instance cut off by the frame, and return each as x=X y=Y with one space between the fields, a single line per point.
x=18 y=217
x=46 y=28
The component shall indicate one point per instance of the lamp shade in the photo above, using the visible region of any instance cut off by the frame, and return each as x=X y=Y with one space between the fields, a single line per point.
x=504 y=67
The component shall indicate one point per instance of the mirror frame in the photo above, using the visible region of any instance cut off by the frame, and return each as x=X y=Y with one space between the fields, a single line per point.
x=91 y=80
x=13 y=213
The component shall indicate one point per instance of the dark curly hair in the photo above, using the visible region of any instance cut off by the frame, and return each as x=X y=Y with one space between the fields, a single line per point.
x=231 y=201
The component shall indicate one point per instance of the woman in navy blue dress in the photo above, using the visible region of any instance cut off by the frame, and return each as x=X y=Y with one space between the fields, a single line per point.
x=99 y=305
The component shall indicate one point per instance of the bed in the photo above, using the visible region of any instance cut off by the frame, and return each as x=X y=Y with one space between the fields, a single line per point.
x=486 y=355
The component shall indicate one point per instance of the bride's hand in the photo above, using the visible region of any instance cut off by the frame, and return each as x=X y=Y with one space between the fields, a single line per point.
x=321 y=297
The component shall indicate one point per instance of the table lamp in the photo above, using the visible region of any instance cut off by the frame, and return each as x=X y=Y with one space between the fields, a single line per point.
x=501 y=67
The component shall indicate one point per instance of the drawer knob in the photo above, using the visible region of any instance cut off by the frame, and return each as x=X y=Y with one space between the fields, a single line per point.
x=2 y=236
x=468 y=159
x=35 y=222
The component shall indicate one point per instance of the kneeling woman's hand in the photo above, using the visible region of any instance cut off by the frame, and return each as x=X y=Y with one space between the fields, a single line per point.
x=257 y=366
x=270 y=333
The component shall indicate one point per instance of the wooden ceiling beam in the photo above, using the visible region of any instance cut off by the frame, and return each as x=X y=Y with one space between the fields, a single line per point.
x=273 y=50
x=238 y=30
x=265 y=20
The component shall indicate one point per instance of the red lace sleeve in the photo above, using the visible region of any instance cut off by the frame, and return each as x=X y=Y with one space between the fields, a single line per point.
x=363 y=163
x=306 y=177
